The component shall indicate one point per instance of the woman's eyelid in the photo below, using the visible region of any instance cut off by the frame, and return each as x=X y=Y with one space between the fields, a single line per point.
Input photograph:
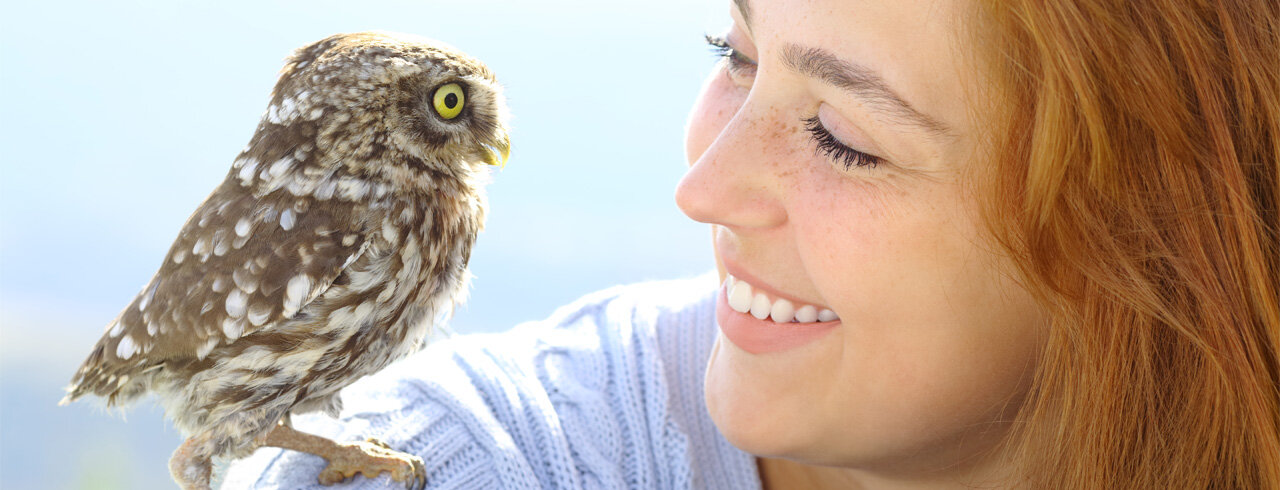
x=845 y=130
x=738 y=65
x=741 y=46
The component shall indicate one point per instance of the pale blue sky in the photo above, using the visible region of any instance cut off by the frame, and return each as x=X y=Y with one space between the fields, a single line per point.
x=118 y=118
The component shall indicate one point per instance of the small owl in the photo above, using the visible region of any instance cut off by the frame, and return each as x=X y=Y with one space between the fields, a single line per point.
x=341 y=233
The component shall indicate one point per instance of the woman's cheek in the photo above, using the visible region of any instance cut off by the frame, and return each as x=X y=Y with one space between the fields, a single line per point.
x=717 y=103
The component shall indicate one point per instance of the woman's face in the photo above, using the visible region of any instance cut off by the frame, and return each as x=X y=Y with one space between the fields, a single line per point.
x=934 y=342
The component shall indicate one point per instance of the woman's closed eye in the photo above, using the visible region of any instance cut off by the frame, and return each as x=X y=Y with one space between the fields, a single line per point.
x=739 y=65
x=827 y=144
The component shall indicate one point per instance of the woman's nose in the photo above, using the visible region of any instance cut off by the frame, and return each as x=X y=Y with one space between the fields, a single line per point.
x=735 y=181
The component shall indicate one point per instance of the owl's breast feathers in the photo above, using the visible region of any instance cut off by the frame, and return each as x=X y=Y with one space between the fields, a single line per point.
x=284 y=257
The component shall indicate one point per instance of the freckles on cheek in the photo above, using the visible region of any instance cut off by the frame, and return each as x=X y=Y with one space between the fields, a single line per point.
x=836 y=232
x=851 y=235
x=866 y=192
x=838 y=207
x=786 y=145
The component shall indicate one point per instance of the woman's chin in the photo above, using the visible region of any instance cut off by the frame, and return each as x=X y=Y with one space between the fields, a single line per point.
x=761 y=412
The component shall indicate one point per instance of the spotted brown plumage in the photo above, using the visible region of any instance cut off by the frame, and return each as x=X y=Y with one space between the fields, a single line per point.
x=341 y=233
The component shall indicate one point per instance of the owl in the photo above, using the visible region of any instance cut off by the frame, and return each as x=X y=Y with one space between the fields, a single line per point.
x=340 y=235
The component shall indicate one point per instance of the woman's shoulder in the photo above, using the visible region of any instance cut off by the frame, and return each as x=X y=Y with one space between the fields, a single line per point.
x=607 y=392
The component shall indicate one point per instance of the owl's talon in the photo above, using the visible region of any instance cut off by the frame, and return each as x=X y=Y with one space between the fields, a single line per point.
x=371 y=458
x=419 y=480
x=419 y=474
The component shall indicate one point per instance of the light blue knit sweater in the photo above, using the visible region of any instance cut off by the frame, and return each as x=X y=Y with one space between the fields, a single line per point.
x=607 y=393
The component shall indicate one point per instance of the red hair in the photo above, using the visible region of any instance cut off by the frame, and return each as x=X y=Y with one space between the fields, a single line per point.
x=1136 y=183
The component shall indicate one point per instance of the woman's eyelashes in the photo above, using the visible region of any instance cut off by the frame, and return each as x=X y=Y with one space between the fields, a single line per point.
x=738 y=64
x=832 y=148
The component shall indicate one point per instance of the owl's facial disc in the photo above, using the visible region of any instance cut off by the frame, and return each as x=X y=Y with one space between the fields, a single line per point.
x=449 y=102
x=446 y=116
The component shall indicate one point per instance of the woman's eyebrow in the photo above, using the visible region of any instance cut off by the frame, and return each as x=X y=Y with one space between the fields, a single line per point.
x=860 y=82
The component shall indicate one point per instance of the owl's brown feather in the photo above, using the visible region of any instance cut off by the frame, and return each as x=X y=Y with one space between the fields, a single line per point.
x=340 y=234
x=240 y=265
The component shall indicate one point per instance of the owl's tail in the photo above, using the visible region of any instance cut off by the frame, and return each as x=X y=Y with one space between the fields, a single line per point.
x=118 y=384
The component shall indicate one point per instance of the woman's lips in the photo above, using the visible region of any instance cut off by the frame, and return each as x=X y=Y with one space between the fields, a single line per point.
x=759 y=324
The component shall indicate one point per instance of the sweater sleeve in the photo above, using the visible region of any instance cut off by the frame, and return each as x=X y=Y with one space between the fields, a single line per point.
x=580 y=400
x=428 y=405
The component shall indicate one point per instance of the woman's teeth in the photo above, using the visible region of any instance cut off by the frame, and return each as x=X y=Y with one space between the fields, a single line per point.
x=744 y=299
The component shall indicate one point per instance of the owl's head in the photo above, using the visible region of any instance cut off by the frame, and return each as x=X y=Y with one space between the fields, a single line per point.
x=387 y=104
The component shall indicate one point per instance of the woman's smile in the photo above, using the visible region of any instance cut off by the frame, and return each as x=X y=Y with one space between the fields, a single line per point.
x=744 y=298
x=758 y=319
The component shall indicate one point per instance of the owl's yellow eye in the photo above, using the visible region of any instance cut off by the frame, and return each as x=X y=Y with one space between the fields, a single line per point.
x=449 y=100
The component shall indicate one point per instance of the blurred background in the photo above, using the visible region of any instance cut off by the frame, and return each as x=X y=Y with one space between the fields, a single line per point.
x=118 y=118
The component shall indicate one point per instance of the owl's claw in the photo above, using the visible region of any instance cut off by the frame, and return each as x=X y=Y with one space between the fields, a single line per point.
x=419 y=467
x=371 y=458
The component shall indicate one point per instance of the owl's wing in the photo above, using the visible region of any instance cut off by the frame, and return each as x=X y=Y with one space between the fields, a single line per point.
x=241 y=264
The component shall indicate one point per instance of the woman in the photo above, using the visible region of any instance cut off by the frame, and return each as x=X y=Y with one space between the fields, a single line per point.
x=960 y=245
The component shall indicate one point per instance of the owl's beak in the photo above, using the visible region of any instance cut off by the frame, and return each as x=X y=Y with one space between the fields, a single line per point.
x=497 y=153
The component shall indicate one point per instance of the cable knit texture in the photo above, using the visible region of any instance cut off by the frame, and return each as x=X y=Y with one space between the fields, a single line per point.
x=607 y=393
